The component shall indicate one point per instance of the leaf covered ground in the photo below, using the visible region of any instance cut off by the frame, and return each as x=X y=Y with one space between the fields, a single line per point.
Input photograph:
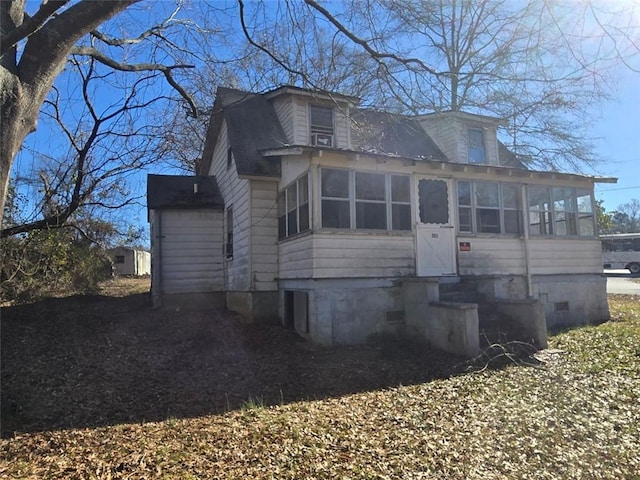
x=104 y=387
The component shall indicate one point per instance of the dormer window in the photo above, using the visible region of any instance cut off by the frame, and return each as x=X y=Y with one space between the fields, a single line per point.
x=475 y=146
x=321 y=121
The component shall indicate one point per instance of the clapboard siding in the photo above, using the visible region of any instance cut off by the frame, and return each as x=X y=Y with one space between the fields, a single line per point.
x=296 y=259
x=284 y=107
x=394 y=256
x=553 y=256
x=235 y=192
x=190 y=255
x=264 y=235
x=341 y=127
x=490 y=256
x=301 y=122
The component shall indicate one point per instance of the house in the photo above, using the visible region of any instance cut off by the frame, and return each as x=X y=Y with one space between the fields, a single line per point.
x=130 y=261
x=345 y=223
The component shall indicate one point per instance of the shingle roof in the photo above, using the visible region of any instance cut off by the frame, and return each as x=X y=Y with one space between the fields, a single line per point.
x=178 y=191
x=387 y=133
x=252 y=125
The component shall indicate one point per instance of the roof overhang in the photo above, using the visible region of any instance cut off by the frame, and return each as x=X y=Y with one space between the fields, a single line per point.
x=314 y=94
x=435 y=164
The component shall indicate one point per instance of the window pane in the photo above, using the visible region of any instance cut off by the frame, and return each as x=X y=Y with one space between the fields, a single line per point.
x=400 y=217
x=321 y=119
x=464 y=193
x=513 y=221
x=565 y=223
x=304 y=217
x=400 y=188
x=540 y=223
x=511 y=196
x=371 y=215
x=464 y=219
x=586 y=227
x=292 y=222
x=487 y=194
x=292 y=198
x=488 y=220
x=303 y=190
x=538 y=198
x=475 y=150
x=335 y=214
x=584 y=202
x=563 y=199
x=335 y=183
x=433 y=201
x=282 y=226
x=370 y=186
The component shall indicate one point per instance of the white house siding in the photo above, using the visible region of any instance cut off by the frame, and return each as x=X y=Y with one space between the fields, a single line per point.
x=296 y=258
x=264 y=235
x=284 y=107
x=444 y=134
x=301 y=122
x=341 y=122
x=491 y=256
x=235 y=192
x=565 y=256
x=191 y=242
x=362 y=255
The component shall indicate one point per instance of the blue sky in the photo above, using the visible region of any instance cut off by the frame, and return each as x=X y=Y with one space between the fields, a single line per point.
x=618 y=143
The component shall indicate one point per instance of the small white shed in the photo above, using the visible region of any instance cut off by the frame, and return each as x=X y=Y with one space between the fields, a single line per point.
x=130 y=261
x=186 y=219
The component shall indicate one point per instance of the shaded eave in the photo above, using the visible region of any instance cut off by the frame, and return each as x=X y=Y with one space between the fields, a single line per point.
x=473 y=117
x=437 y=164
x=315 y=94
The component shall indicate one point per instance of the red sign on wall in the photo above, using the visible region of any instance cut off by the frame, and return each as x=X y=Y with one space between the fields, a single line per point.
x=465 y=246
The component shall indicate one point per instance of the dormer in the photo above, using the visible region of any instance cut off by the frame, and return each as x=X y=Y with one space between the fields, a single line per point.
x=313 y=118
x=464 y=137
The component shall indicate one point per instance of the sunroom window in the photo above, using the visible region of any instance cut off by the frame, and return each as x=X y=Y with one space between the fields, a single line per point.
x=364 y=200
x=489 y=207
x=561 y=211
x=293 y=208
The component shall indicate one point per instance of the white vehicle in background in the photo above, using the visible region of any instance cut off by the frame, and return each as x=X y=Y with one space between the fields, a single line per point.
x=621 y=250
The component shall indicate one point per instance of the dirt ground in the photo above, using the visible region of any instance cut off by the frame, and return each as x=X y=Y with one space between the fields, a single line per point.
x=87 y=361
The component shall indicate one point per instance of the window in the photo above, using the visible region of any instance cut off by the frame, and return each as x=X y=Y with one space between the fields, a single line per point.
x=321 y=121
x=475 y=147
x=228 y=246
x=371 y=201
x=293 y=208
x=119 y=259
x=489 y=207
x=367 y=201
x=562 y=211
x=400 y=202
x=539 y=210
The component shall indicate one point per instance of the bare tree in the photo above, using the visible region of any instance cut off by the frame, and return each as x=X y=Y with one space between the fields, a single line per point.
x=104 y=146
x=541 y=65
x=34 y=50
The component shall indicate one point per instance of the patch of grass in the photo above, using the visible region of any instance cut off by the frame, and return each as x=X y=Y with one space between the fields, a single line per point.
x=575 y=418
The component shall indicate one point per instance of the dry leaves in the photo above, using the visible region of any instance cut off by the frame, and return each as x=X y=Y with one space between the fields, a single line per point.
x=576 y=418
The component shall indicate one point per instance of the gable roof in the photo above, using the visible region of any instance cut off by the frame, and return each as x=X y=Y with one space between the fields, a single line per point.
x=179 y=191
x=252 y=126
x=383 y=132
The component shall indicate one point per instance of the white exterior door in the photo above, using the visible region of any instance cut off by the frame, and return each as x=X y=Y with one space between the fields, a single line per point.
x=435 y=234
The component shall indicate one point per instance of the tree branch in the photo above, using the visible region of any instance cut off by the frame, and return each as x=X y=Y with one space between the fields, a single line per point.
x=140 y=67
x=30 y=25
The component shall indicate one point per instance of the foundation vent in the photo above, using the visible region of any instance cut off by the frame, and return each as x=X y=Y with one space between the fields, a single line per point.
x=561 y=306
